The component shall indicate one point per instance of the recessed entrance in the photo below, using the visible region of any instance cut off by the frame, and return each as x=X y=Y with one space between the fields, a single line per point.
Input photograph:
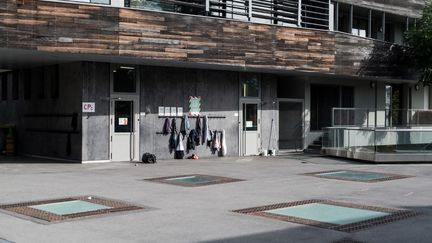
x=291 y=125
x=124 y=122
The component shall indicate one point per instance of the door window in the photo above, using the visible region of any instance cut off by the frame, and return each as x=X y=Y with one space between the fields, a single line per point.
x=124 y=80
x=250 y=86
x=250 y=117
x=123 y=118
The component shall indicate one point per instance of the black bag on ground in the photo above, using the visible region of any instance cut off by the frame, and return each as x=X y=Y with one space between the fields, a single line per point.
x=149 y=158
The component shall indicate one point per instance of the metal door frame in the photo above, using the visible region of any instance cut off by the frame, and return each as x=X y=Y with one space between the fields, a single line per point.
x=279 y=100
x=136 y=98
x=242 y=143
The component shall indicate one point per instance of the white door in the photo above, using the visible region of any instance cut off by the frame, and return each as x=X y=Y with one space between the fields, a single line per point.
x=250 y=128
x=124 y=129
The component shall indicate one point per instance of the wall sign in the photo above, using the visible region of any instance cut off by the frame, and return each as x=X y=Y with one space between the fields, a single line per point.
x=173 y=111
x=167 y=111
x=179 y=111
x=123 y=121
x=194 y=106
x=88 y=107
x=161 y=111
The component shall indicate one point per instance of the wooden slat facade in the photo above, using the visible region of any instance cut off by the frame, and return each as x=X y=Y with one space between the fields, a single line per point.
x=99 y=30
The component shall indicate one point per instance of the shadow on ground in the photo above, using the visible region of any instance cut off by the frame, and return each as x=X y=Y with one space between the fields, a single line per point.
x=417 y=229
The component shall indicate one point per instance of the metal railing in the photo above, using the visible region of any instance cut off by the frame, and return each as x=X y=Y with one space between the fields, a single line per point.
x=300 y=13
x=369 y=117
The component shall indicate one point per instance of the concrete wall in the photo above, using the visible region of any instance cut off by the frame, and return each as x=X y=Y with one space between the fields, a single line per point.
x=162 y=86
x=95 y=126
x=43 y=122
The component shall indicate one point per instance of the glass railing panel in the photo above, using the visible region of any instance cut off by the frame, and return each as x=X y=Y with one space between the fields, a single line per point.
x=404 y=141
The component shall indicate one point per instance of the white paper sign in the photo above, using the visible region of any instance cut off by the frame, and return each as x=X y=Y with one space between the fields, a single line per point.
x=249 y=124
x=123 y=121
x=88 y=107
x=161 y=111
x=167 y=111
x=179 y=111
x=173 y=111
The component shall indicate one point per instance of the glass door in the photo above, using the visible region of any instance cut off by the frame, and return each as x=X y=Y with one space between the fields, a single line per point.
x=250 y=129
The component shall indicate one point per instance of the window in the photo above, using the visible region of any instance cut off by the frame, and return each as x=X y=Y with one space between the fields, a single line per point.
x=15 y=85
x=124 y=80
x=40 y=82
x=360 y=27
x=123 y=115
x=55 y=79
x=250 y=117
x=27 y=84
x=324 y=98
x=250 y=86
x=4 y=86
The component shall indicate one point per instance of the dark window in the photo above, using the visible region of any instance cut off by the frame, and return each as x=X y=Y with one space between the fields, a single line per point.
x=4 y=86
x=250 y=86
x=15 y=85
x=323 y=99
x=41 y=83
x=123 y=111
x=124 y=80
x=55 y=80
x=27 y=84
x=250 y=117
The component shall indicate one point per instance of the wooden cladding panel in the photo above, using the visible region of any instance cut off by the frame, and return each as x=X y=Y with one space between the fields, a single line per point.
x=91 y=29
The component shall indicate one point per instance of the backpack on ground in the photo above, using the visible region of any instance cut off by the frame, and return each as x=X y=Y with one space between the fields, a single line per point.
x=149 y=158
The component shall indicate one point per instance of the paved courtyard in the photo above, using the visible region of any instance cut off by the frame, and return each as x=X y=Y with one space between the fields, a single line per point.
x=176 y=213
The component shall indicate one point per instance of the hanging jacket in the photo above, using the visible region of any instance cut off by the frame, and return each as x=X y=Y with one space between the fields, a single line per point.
x=179 y=153
x=166 y=127
x=223 y=149
x=191 y=140
x=184 y=125
x=172 y=144
x=198 y=131
x=216 y=142
x=173 y=126
x=205 y=131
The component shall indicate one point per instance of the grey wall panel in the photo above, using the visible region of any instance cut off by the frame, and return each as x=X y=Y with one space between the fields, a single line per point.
x=96 y=133
x=172 y=87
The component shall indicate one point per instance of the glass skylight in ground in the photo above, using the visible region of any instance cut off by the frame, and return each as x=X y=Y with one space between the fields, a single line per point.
x=328 y=213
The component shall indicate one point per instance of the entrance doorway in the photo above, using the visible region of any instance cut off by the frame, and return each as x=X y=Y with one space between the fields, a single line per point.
x=124 y=129
x=291 y=124
x=124 y=115
x=250 y=127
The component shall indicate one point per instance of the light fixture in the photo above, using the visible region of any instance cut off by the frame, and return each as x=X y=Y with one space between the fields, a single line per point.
x=372 y=84
x=417 y=87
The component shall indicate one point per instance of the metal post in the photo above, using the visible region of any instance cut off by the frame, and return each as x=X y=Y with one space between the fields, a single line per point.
x=367 y=117
x=407 y=23
x=250 y=10
x=350 y=27
x=370 y=24
x=207 y=7
x=383 y=26
x=376 y=102
x=299 y=14
x=336 y=20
